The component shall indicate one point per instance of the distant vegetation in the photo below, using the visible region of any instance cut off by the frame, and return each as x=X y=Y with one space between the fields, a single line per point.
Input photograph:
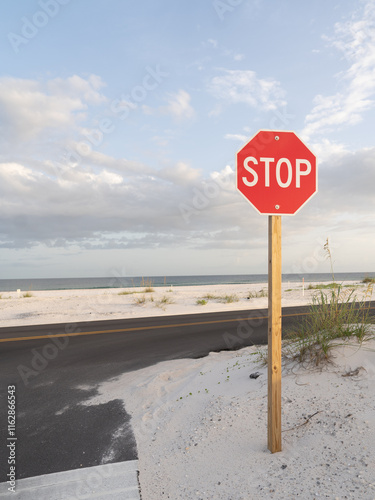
x=256 y=295
x=140 y=300
x=200 y=302
x=164 y=301
x=323 y=287
x=227 y=299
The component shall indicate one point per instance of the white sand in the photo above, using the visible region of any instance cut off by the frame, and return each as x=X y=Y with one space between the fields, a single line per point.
x=63 y=306
x=201 y=425
x=201 y=428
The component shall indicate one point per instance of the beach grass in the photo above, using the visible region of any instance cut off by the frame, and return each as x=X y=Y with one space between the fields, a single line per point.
x=140 y=300
x=323 y=286
x=27 y=295
x=148 y=289
x=338 y=314
x=200 y=302
x=226 y=299
x=164 y=301
x=259 y=294
x=210 y=296
x=148 y=283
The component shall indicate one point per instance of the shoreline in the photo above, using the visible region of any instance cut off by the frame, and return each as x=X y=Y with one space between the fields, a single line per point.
x=77 y=305
x=117 y=282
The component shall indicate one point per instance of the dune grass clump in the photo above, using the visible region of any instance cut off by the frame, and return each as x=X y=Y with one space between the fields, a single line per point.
x=164 y=301
x=140 y=300
x=336 y=313
x=332 y=316
x=200 y=302
x=322 y=286
x=210 y=296
x=368 y=280
x=227 y=299
x=256 y=295
x=27 y=295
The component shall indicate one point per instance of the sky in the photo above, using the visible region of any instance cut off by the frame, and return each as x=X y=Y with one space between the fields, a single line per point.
x=120 y=122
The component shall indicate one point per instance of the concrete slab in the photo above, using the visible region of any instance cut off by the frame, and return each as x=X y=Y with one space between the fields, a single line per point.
x=117 y=481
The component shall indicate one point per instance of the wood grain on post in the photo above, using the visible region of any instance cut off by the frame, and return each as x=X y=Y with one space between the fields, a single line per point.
x=274 y=333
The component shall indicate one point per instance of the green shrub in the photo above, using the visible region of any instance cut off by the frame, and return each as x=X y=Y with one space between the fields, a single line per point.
x=200 y=302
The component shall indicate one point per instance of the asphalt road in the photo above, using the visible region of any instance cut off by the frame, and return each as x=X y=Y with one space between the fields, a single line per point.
x=57 y=367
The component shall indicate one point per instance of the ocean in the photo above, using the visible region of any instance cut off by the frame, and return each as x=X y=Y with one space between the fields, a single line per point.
x=8 y=285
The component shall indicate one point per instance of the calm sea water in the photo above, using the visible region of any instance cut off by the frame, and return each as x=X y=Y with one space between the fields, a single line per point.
x=155 y=281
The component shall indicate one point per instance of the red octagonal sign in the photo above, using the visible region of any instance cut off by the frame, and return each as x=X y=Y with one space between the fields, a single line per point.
x=276 y=172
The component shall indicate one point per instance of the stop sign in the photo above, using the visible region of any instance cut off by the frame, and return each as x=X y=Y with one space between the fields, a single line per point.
x=276 y=172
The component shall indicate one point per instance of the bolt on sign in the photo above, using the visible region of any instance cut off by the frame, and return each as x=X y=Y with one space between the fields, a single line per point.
x=277 y=173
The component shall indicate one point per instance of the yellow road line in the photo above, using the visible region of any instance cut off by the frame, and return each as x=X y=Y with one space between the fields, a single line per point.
x=134 y=329
x=154 y=327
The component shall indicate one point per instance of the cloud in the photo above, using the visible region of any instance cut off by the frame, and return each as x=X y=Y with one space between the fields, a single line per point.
x=74 y=86
x=236 y=137
x=101 y=160
x=179 y=105
x=85 y=204
x=355 y=39
x=326 y=150
x=347 y=183
x=213 y=42
x=29 y=108
x=181 y=173
x=107 y=202
x=238 y=86
x=112 y=203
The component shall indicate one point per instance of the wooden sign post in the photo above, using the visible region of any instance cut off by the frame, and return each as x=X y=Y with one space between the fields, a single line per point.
x=274 y=333
x=277 y=174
